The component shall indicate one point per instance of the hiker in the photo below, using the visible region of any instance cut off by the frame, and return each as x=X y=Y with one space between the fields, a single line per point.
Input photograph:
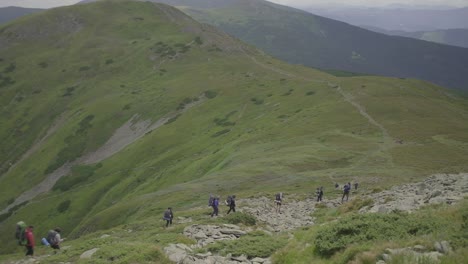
x=336 y=185
x=168 y=216
x=53 y=238
x=210 y=200
x=278 y=201
x=355 y=185
x=28 y=233
x=319 y=194
x=346 y=190
x=231 y=202
x=20 y=233
x=215 y=205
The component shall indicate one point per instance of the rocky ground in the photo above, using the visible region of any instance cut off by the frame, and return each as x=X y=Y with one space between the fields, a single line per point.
x=295 y=213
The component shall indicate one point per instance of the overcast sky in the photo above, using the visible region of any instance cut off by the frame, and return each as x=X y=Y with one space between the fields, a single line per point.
x=457 y=3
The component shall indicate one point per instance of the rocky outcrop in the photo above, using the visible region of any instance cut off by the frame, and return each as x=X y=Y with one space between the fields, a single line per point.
x=439 y=188
x=205 y=235
x=417 y=254
x=293 y=213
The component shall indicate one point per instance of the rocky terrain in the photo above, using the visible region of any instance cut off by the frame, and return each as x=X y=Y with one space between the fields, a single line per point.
x=295 y=213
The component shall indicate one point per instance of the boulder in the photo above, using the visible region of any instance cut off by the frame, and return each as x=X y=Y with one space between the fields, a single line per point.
x=88 y=254
x=443 y=247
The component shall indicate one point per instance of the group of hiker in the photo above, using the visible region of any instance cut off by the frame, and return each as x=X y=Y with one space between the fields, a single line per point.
x=213 y=202
x=24 y=234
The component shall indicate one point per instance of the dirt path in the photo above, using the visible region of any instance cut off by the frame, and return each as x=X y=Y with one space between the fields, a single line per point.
x=388 y=141
x=347 y=97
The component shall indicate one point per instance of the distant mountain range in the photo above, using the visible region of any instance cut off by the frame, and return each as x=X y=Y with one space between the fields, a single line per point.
x=455 y=37
x=300 y=37
x=401 y=19
x=13 y=12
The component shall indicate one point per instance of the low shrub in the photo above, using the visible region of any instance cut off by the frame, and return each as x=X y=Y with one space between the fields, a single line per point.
x=370 y=227
x=241 y=218
x=356 y=204
x=257 y=101
x=255 y=244
x=78 y=175
x=210 y=94
x=63 y=206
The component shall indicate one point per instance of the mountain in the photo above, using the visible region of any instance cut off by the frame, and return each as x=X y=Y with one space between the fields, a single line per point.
x=116 y=110
x=397 y=19
x=303 y=38
x=10 y=13
x=454 y=37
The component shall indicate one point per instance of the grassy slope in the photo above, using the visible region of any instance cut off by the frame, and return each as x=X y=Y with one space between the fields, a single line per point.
x=290 y=132
x=303 y=38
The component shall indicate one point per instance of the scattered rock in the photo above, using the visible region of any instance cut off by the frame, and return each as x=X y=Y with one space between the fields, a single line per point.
x=443 y=247
x=410 y=197
x=88 y=254
x=105 y=236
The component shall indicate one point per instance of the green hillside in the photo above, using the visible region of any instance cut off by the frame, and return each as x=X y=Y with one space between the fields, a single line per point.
x=303 y=38
x=113 y=111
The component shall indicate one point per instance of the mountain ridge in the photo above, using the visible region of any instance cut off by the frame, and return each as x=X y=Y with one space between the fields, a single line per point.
x=228 y=119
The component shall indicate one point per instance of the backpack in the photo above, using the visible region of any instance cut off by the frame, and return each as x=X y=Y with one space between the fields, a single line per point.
x=20 y=233
x=347 y=187
x=229 y=200
x=52 y=237
x=278 y=197
x=210 y=200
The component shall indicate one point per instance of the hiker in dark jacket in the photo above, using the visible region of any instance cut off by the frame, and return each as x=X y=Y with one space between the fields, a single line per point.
x=346 y=190
x=232 y=204
x=29 y=241
x=215 y=205
x=278 y=201
x=355 y=186
x=319 y=194
x=168 y=216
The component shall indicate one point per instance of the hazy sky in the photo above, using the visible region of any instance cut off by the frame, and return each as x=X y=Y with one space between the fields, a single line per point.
x=459 y=3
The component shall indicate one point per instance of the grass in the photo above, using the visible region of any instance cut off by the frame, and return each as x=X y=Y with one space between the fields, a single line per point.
x=228 y=144
x=352 y=238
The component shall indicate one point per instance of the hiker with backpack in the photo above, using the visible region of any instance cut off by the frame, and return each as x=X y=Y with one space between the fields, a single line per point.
x=231 y=202
x=20 y=233
x=168 y=216
x=278 y=201
x=29 y=236
x=319 y=194
x=356 y=184
x=210 y=200
x=53 y=238
x=215 y=205
x=346 y=190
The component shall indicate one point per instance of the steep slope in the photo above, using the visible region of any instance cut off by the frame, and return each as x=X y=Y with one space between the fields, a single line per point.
x=455 y=37
x=113 y=111
x=303 y=38
x=399 y=18
x=12 y=12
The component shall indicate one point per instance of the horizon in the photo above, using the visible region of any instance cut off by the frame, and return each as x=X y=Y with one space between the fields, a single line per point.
x=292 y=3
